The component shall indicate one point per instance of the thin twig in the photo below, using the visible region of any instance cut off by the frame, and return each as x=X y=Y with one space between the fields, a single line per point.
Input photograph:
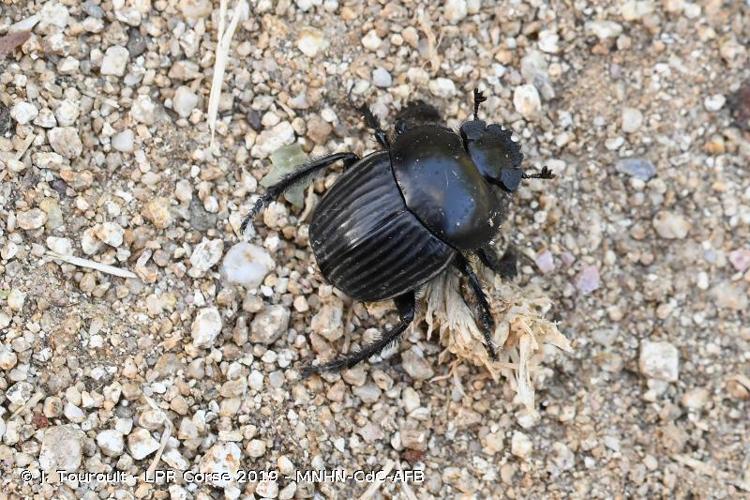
x=25 y=146
x=28 y=404
x=223 y=41
x=91 y=264
x=374 y=487
x=164 y=437
x=408 y=493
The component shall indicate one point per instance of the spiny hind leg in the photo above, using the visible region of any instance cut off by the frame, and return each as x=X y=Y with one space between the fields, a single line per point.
x=485 y=314
x=406 y=305
x=302 y=172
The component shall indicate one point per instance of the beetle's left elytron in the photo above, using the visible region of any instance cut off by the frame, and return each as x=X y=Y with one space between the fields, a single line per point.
x=397 y=218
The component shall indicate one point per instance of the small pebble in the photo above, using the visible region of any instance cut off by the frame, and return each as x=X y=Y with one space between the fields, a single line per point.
x=312 y=42
x=269 y=324
x=603 y=29
x=527 y=102
x=115 y=61
x=442 y=87
x=111 y=442
x=205 y=255
x=221 y=462
x=659 y=360
x=62 y=449
x=206 y=327
x=371 y=41
x=415 y=365
x=247 y=265
x=455 y=10
x=65 y=142
x=631 y=120
x=640 y=168
x=24 y=112
x=141 y=444
x=545 y=262
x=124 y=141
x=31 y=219
x=588 y=279
x=520 y=445
x=184 y=101
x=740 y=259
x=381 y=78
x=670 y=225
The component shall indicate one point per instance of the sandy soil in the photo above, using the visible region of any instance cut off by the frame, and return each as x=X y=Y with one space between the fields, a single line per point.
x=186 y=363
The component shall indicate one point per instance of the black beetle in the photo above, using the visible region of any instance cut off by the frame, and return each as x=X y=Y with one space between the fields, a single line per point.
x=397 y=218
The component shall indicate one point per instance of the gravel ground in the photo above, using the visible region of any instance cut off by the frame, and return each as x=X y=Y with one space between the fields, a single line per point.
x=184 y=355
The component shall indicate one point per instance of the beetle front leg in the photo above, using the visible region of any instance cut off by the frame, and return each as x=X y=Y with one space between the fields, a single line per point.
x=506 y=266
x=406 y=305
x=373 y=123
x=485 y=314
x=305 y=170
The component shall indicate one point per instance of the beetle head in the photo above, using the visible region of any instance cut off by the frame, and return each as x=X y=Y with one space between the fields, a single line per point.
x=494 y=153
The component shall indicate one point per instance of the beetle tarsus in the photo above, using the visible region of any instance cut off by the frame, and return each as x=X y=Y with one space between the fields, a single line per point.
x=373 y=123
x=545 y=173
x=478 y=99
x=485 y=314
x=406 y=305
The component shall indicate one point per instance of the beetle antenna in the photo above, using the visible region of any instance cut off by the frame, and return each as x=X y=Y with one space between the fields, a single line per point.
x=545 y=173
x=478 y=99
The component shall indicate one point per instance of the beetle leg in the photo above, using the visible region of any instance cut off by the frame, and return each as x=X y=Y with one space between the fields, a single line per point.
x=505 y=266
x=406 y=305
x=302 y=172
x=545 y=173
x=478 y=99
x=373 y=123
x=485 y=314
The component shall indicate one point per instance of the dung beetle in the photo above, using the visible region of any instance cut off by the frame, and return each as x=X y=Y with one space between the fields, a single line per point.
x=398 y=217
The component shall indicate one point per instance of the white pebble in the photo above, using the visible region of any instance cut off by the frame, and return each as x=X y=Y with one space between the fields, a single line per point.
x=206 y=327
x=381 y=78
x=60 y=245
x=670 y=225
x=115 y=61
x=65 y=142
x=124 y=141
x=247 y=265
x=311 y=41
x=603 y=29
x=455 y=10
x=110 y=233
x=111 y=442
x=659 y=360
x=631 y=120
x=270 y=140
x=442 y=87
x=143 y=110
x=66 y=113
x=205 y=256
x=714 y=102
x=520 y=445
x=221 y=461
x=141 y=444
x=61 y=449
x=371 y=41
x=23 y=112
x=184 y=101
x=526 y=101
